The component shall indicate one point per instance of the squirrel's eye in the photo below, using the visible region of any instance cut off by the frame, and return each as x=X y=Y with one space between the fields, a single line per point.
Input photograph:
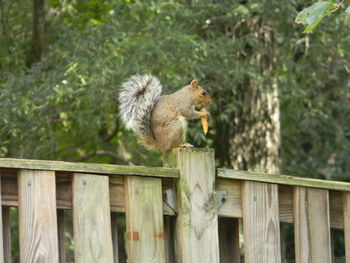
x=203 y=93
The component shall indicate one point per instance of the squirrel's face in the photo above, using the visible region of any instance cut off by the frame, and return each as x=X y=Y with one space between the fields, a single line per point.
x=202 y=98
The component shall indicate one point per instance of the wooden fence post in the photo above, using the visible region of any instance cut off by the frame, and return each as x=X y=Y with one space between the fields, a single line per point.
x=312 y=225
x=91 y=219
x=197 y=222
x=38 y=238
x=261 y=223
x=144 y=220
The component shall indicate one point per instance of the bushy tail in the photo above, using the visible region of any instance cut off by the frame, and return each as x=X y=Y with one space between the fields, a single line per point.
x=137 y=97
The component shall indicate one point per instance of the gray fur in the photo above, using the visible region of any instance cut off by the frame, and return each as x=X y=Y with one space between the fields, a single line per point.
x=137 y=97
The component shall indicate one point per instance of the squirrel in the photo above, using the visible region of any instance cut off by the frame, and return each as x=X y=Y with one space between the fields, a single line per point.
x=160 y=121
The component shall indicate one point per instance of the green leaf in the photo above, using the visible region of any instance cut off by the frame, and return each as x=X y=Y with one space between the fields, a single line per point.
x=347 y=10
x=313 y=15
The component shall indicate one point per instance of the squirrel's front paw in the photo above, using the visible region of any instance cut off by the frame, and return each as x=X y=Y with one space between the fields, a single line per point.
x=204 y=113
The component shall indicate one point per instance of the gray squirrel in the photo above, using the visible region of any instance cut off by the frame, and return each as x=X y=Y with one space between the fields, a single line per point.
x=160 y=121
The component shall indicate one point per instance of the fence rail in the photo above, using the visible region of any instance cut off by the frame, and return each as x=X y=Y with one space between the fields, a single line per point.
x=184 y=212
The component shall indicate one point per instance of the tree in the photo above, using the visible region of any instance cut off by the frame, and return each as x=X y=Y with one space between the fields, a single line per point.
x=38 y=35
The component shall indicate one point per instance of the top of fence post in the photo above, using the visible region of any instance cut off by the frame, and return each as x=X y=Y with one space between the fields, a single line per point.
x=197 y=223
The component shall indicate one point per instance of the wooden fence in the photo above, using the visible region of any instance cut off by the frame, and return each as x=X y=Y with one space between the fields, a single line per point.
x=184 y=212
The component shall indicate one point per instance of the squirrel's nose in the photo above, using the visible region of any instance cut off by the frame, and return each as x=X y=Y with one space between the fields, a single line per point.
x=209 y=102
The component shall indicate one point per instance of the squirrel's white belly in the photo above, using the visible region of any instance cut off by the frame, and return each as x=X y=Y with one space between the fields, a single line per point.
x=184 y=126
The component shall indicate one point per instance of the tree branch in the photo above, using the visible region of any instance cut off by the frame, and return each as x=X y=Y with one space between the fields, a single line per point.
x=103 y=153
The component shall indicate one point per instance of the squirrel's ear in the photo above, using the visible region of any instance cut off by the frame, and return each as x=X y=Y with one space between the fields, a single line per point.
x=194 y=84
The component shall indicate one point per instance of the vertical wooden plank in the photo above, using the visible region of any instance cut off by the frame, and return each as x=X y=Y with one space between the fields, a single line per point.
x=38 y=239
x=311 y=225
x=197 y=221
x=346 y=211
x=144 y=220
x=114 y=224
x=91 y=219
x=2 y=258
x=6 y=234
x=61 y=236
x=261 y=223
x=229 y=240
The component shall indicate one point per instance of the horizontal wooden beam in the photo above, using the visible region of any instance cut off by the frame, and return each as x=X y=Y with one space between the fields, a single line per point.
x=93 y=168
x=283 y=179
x=232 y=207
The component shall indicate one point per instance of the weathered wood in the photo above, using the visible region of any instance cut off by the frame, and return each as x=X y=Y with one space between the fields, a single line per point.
x=61 y=236
x=229 y=240
x=64 y=192
x=94 y=168
x=261 y=223
x=117 y=193
x=233 y=204
x=6 y=234
x=197 y=223
x=2 y=258
x=91 y=219
x=144 y=220
x=285 y=201
x=9 y=191
x=346 y=209
x=233 y=208
x=283 y=179
x=336 y=209
x=114 y=224
x=311 y=226
x=38 y=240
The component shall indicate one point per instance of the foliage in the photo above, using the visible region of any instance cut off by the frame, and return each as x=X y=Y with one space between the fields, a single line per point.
x=314 y=14
x=64 y=107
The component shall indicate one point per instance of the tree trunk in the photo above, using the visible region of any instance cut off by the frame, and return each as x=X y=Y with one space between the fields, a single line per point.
x=255 y=126
x=38 y=38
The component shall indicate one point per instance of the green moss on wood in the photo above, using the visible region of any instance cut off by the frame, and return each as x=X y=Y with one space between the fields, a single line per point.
x=283 y=179
x=93 y=168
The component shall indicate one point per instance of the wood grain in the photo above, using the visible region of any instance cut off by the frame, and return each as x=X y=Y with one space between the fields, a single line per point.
x=283 y=179
x=9 y=191
x=91 y=219
x=229 y=240
x=232 y=207
x=285 y=201
x=346 y=209
x=261 y=223
x=144 y=220
x=6 y=234
x=38 y=239
x=312 y=226
x=94 y=168
x=117 y=193
x=197 y=222
x=336 y=209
